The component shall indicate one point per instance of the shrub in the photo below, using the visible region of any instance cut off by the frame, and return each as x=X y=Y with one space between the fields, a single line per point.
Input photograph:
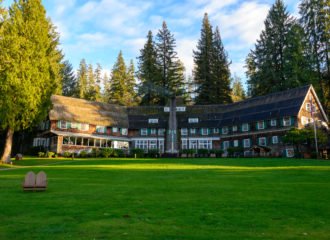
x=50 y=154
x=34 y=151
x=83 y=154
x=218 y=152
x=235 y=151
x=107 y=152
x=41 y=154
x=188 y=151
x=118 y=153
x=202 y=152
x=138 y=152
x=153 y=153
x=67 y=154
x=96 y=152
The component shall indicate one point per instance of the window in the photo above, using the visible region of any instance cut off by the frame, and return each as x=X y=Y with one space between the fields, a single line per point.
x=275 y=139
x=85 y=141
x=215 y=130
x=304 y=120
x=193 y=120
x=153 y=144
x=124 y=131
x=153 y=120
x=204 y=144
x=234 y=128
x=235 y=143
x=225 y=130
x=166 y=109
x=161 y=131
x=246 y=143
x=193 y=131
x=262 y=141
x=273 y=122
x=63 y=124
x=79 y=141
x=184 y=144
x=180 y=109
x=101 y=129
x=184 y=131
x=204 y=131
x=144 y=132
x=153 y=131
x=308 y=107
x=286 y=121
x=261 y=125
x=84 y=127
x=114 y=129
x=91 y=143
x=245 y=127
x=142 y=144
x=289 y=152
x=161 y=145
x=193 y=144
x=225 y=145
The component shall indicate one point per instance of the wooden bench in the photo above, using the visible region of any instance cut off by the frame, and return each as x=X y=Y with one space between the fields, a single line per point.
x=34 y=182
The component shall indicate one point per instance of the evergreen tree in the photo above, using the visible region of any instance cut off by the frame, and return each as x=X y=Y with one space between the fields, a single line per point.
x=29 y=68
x=82 y=79
x=148 y=73
x=274 y=64
x=203 y=63
x=130 y=94
x=118 y=81
x=220 y=91
x=169 y=65
x=98 y=81
x=107 y=87
x=91 y=86
x=238 y=93
x=69 y=81
x=315 y=19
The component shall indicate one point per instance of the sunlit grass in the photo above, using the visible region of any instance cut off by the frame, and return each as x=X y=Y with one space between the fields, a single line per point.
x=168 y=199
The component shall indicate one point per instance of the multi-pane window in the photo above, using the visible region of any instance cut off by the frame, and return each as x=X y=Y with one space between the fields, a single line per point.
x=152 y=144
x=114 y=129
x=184 y=144
x=124 y=131
x=246 y=143
x=235 y=143
x=144 y=131
x=225 y=130
x=273 y=122
x=184 y=131
x=192 y=130
x=84 y=126
x=226 y=145
x=308 y=107
x=286 y=121
x=101 y=129
x=262 y=141
x=153 y=120
x=193 y=120
x=204 y=131
x=193 y=144
x=180 y=109
x=234 y=128
x=142 y=144
x=245 y=127
x=215 y=130
x=261 y=125
x=63 y=124
x=275 y=139
x=153 y=131
x=205 y=144
x=161 y=145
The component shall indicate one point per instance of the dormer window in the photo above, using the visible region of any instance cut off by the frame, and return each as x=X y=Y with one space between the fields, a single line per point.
x=153 y=120
x=193 y=120
x=261 y=125
x=144 y=132
x=225 y=130
x=124 y=131
x=273 y=122
x=101 y=129
x=286 y=121
x=245 y=127
x=184 y=131
x=114 y=129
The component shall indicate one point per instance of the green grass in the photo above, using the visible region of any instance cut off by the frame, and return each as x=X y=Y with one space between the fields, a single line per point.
x=163 y=199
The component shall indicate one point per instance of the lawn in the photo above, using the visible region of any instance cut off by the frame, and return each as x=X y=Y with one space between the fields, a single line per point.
x=165 y=199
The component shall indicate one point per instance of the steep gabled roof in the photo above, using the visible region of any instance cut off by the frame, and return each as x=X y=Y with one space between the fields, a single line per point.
x=79 y=110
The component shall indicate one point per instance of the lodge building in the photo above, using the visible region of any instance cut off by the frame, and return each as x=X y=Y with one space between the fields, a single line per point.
x=74 y=124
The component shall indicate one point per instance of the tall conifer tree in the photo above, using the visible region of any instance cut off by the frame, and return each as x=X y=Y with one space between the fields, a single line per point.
x=82 y=78
x=29 y=68
x=98 y=81
x=69 y=81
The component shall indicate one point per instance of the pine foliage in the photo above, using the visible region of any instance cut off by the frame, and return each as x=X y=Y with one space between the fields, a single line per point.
x=69 y=81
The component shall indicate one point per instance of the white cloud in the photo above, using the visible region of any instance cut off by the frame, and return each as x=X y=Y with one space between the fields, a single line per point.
x=185 y=48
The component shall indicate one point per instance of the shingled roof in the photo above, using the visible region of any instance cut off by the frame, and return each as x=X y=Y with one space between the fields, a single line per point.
x=79 y=110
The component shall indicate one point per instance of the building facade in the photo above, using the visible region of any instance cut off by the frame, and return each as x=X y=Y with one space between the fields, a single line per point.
x=75 y=124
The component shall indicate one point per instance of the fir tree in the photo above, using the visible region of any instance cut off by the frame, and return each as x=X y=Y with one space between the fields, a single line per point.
x=69 y=81
x=118 y=79
x=148 y=73
x=220 y=91
x=91 y=86
x=203 y=63
x=170 y=68
x=130 y=83
x=82 y=79
x=29 y=68
x=98 y=81
x=238 y=93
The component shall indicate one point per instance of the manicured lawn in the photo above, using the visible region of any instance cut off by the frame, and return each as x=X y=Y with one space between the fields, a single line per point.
x=160 y=199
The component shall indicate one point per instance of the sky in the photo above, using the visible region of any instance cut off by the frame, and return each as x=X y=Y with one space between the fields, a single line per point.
x=98 y=29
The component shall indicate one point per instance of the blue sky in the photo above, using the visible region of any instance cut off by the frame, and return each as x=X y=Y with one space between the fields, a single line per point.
x=98 y=29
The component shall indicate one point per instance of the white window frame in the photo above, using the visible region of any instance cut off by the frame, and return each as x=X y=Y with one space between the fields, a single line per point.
x=204 y=144
x=245 y=127
x=161 y=132
x=262 y=141
x=124 y=131
x=152 y=144
x=273 y=122
x=204 y=131
x=308 y=107
x=153 y=131
x=193 y=120
x=63 y=124
x=184 y=131
x=236 y=143
x=234 y=128
x=84 y=127
x=226 y=145
x=286 y=121
x=180 y=109
x=215 y=130
x=247 y=143
x=144 y=131
x=101 y=129
x=193 y=131
x=261 y=125
x=275 y=139
x=114 y=129
x=184 y=144
x=225 y=130
x=153 y=120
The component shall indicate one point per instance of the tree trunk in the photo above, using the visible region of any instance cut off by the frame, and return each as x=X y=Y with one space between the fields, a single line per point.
x=8 y=146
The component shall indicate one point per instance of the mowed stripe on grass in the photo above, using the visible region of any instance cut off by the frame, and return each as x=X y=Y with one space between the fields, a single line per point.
x=170 y=199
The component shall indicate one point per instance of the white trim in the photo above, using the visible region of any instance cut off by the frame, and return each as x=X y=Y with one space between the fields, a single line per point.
x=85 y=135
x=200 y=138
x=149 y=139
